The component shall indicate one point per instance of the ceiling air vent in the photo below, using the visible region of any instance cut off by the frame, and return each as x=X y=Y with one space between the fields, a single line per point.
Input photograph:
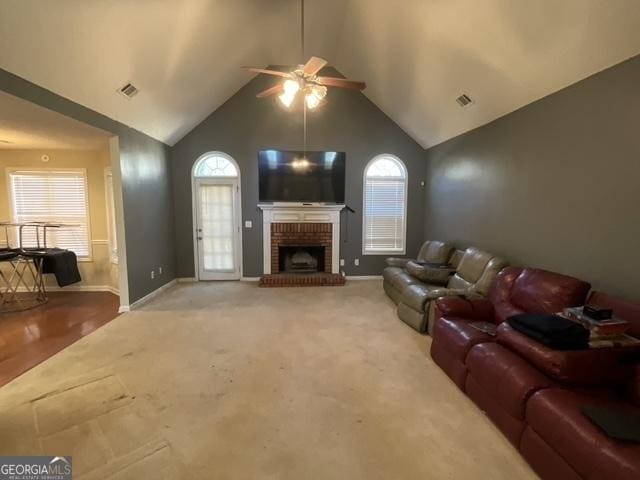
x=129 y=90
x=464 y=100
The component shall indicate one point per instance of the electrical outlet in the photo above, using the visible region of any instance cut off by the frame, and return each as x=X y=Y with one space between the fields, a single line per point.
x=356 y=262
x=153 y=274
x=248 y=224
x=159 y=270
x=342 y=262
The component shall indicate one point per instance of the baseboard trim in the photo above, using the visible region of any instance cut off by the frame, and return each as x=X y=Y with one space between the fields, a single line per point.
x=364 y=277
x=150 y=296
x=187 y=280
x=77 y=288
x=250 y=279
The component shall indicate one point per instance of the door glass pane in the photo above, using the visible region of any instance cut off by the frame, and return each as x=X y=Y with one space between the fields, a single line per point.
x=216 y=216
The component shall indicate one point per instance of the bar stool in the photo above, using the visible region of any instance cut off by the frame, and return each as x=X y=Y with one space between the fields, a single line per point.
x=23 y=285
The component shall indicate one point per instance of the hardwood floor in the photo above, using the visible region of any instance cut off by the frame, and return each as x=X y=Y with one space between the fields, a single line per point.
x=30 y=337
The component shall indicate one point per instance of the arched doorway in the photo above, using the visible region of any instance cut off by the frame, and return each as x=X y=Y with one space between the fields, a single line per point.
x=217 y=215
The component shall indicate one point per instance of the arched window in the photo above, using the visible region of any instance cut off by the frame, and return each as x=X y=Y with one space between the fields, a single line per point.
x=215 y=164
x=385 y=206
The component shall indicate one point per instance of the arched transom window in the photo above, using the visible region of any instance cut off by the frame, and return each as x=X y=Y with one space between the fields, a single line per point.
x=385 y=206
x=215 y=164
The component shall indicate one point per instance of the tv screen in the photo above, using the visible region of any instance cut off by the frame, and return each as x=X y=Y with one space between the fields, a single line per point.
x=295 y=177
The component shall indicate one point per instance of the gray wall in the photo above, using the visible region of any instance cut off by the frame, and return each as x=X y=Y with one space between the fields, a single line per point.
x=554 y=185
x=348 y=122
x=148 y=206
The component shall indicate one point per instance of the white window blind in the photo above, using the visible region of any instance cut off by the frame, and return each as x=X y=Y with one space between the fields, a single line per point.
x=52 y=196
x=385 y=196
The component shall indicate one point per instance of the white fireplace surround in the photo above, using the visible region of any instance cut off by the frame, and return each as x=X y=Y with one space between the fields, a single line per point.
x=300 y=213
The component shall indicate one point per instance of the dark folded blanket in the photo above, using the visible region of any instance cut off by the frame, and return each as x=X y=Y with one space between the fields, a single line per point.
x=616 y=424
x=551 y=330
x=63 y=264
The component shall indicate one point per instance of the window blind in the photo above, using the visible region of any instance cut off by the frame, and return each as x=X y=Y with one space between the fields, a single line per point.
x=384 y=214
x=58 y=197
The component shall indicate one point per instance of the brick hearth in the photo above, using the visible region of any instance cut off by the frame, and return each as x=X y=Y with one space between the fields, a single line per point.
x=302 y=280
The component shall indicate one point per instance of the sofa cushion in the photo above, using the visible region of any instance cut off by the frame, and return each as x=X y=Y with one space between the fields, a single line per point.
x=470 y=269
x=500 y=294
x=393 y=292
x=452 y=366
x=397 y=262
x=457 y=336
x=555 y=415
x=540 y=291
x=435 y=251
x=415 y=319
x=509 y=379
x=509 y=425
x=486 y=280
x=398 y=277
x=479 y=309
x=595 y=366
x=416 y=296
x=546 y=462
x=429 y=274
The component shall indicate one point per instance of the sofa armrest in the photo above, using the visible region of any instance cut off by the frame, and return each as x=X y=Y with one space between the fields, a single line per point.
x=591 y=367
x=430 y=274
x=397 y=262
x=478 y=309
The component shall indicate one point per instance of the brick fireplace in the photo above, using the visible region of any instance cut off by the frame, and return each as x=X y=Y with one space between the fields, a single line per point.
x=300 y=235
x=301 y=245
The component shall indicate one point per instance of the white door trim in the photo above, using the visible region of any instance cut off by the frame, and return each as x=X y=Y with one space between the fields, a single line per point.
x=238 y=215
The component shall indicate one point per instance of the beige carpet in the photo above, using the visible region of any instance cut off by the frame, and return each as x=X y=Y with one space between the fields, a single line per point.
x=229 y=381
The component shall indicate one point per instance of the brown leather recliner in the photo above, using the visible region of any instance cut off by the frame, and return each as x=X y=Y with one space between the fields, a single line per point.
x=396 y=278
x=534 y=394
x=473 y=277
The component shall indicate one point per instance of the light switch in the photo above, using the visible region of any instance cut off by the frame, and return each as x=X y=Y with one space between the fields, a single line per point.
x=248 y=224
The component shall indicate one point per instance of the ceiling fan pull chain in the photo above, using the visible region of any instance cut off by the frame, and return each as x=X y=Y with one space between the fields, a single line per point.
x=304 y=128
x=302 y=30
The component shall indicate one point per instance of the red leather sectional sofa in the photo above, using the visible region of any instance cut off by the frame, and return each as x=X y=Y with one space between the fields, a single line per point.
x=534 y=394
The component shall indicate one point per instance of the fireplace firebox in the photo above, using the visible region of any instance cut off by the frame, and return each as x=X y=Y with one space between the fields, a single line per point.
x=301 y=259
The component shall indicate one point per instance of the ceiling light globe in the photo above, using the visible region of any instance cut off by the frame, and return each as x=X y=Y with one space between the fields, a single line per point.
x=312 y=101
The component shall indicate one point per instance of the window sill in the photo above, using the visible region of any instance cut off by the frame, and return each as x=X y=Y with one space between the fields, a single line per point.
x=384 y=252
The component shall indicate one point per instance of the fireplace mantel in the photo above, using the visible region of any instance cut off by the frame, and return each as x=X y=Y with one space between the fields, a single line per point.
x=300 y=213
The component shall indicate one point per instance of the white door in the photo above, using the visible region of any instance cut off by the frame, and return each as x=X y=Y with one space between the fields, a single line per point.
x=218 y=229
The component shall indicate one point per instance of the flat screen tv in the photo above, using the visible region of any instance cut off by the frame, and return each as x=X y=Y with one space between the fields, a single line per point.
x=286 y=176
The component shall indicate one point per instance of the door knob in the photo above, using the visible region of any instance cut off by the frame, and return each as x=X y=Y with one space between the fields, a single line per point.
x=199 y=238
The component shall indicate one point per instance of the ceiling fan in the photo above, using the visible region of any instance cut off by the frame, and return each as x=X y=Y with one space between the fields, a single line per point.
x=304 y=79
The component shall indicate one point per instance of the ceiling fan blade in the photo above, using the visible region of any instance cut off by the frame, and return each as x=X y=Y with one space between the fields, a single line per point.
x=341 y=83
x=314 y=65
x=268 y=72
x=271 y=91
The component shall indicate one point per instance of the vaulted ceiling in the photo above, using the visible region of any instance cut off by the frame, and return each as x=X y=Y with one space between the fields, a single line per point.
x=417 y=56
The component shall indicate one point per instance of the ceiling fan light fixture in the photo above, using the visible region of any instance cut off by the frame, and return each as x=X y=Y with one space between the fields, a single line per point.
x=291 y=88
x=314 y=96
